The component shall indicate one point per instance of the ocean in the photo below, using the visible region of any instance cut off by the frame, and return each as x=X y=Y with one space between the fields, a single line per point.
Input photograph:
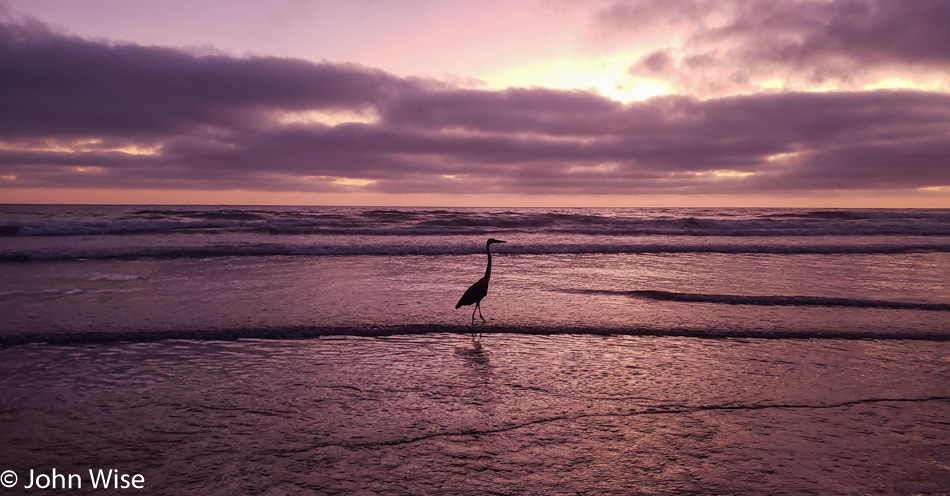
x=286 y=350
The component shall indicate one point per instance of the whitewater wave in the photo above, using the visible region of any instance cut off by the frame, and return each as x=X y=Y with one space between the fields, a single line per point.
x=440 y=249
x=428 y=222
x=305 y=332
x=822 y=301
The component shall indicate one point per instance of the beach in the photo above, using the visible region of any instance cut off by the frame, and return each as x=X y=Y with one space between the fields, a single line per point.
x=318 y=350
x=531 y=247
x=565 y=414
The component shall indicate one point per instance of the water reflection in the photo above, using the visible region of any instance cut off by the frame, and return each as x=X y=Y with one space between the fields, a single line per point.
x=476 y=354
x=516 y=415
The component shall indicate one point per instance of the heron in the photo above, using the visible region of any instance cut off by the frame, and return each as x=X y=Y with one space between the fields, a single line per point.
x=477 y=291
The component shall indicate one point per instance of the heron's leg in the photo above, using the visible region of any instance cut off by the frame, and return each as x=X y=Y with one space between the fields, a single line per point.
x=473 y=313
x=478 y=305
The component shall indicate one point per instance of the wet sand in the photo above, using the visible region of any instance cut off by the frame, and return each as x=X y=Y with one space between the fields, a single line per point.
x=517 y=415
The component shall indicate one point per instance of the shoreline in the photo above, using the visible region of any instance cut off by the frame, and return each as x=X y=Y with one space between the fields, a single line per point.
x=315 y=332
x=518 y=415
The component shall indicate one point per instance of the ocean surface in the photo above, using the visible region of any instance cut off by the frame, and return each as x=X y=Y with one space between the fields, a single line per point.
x=286 y=350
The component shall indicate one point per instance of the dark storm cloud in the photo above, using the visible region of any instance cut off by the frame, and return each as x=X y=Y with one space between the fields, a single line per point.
x=73 y=108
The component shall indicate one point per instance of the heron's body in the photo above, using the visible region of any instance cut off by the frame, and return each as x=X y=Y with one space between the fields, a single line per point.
x=477 y=291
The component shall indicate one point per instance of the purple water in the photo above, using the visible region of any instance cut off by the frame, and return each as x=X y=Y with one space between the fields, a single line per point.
x=433 y=414
x=139 y=273
x=286 y=350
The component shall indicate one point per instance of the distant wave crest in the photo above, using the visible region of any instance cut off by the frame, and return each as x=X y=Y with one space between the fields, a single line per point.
x=421 y=222
x=822 y=301
x=442 y=249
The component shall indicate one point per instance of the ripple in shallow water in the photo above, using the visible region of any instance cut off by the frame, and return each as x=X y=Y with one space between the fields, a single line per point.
x=520 y=414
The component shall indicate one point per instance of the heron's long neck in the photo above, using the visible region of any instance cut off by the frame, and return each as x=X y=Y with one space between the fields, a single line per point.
x=488 y=269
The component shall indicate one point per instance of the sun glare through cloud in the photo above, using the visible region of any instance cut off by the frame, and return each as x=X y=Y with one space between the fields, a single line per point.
x=238 y=239
x=805 y=98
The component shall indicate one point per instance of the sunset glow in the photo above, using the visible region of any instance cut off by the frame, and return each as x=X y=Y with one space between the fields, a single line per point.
x=477 y=103
x=475 y=247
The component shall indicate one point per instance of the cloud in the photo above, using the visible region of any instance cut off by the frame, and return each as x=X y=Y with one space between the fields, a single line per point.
x=69 y=86
x=857 y=33
x=82 y=113
x=739 y=46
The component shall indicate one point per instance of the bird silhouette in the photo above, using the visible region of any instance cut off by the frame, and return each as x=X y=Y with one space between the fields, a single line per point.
x=477 y=291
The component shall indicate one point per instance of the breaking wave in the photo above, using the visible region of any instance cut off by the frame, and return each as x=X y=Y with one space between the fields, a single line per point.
x=53 y=232
x=442 y=249
x=822 y=301
x=422 y=222
x=310 y=332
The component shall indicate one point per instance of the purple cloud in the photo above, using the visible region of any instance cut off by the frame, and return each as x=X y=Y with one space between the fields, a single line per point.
x=733 y=44
x=73 y=108
x=68 y=86
x=857 y=33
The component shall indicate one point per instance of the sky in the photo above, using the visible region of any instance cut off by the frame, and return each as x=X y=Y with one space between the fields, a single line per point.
x=812 y=103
